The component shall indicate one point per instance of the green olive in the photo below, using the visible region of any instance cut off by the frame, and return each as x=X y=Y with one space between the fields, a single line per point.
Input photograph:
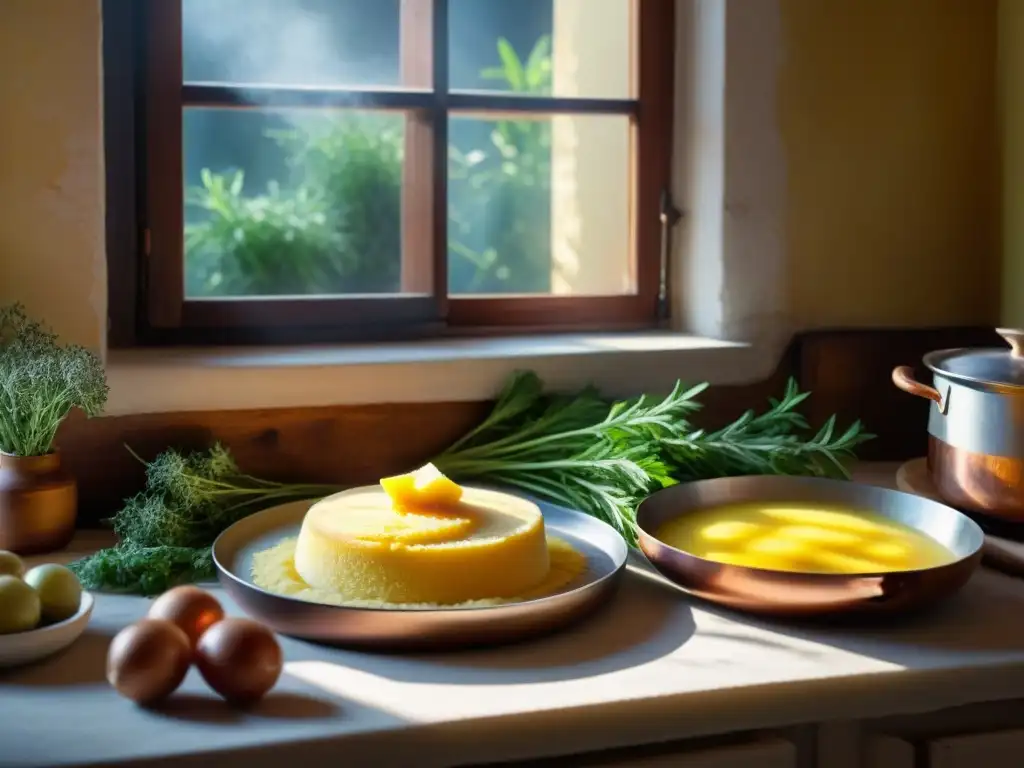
x=19 y=606
x=60 y=593
x=10 y=564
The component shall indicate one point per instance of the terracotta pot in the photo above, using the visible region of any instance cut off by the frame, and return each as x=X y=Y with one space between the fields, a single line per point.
x=38 y=504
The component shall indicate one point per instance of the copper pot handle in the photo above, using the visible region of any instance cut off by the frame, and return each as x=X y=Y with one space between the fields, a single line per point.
x=903 y=377
x=1001 y=557
x=1015 y=338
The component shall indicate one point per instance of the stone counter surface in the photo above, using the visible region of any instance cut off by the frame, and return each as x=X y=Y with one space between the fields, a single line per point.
x=654 y=665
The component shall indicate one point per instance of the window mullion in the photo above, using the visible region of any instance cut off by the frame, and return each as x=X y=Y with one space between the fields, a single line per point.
x=164 y=266
x=247 y=96
x=416 y=55
x=440 y=119
x=424 y=176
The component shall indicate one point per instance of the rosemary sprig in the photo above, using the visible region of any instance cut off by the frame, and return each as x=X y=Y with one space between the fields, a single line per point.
x=769 y=443
x=604 y=458
x=579 y=451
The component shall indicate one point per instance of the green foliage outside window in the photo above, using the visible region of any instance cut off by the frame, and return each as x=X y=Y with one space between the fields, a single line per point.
x=334 y=225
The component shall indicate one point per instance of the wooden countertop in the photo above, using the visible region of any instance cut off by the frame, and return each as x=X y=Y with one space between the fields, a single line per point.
x=653 y=666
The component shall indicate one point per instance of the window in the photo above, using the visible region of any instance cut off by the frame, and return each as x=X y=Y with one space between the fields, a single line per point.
x=346 y=169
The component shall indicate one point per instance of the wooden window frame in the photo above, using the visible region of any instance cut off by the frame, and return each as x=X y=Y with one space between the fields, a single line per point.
x=144 y=102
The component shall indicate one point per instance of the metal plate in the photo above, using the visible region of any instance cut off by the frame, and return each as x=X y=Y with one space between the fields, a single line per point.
x=785 y=593
x=384 y=629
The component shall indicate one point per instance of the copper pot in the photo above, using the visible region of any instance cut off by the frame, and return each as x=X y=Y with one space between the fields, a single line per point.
x=38 y=504
x=976 y=425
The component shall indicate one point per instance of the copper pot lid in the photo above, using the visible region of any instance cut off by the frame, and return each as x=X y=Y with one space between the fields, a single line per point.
x=1000 y=369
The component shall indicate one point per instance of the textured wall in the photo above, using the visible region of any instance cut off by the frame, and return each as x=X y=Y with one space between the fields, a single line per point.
x=51 y=165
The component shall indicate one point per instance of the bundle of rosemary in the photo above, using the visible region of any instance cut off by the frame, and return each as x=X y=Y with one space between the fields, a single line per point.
x=579 y=451
x=604 y=459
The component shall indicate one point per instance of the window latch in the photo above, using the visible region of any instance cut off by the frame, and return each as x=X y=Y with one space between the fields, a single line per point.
x=669 y=215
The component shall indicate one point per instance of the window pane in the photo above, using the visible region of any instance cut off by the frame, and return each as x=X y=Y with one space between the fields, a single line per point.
x=292 y=202
x=291 y=42
x=565 y=48
x=540 y=205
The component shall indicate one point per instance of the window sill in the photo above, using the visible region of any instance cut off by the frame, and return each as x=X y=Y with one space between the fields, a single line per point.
x=154 y=381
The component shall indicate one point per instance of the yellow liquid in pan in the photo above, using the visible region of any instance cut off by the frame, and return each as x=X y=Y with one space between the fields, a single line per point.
x=808 y=538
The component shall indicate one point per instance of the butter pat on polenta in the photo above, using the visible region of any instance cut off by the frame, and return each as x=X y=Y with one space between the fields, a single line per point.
x=425 y=488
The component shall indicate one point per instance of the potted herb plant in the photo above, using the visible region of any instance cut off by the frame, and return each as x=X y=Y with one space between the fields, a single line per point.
x=41 y=381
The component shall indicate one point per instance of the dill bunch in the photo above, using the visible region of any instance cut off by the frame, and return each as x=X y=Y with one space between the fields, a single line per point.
x=166 y=530
x=190 y=498
x=146 y=571
x=604 y=458
x=41 y=381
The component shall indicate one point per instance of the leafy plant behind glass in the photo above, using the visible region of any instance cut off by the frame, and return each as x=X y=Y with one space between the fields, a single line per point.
x=335 y=228
x=280 y=242
x=354 y=161
x=500 y=220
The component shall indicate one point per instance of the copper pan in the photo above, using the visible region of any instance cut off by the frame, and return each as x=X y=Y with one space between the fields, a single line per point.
x=785 y=593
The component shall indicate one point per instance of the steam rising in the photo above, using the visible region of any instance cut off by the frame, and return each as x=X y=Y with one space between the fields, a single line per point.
x=292 y=42
x=338 y=172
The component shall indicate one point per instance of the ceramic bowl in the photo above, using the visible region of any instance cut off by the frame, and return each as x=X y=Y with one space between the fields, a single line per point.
x=26 y=647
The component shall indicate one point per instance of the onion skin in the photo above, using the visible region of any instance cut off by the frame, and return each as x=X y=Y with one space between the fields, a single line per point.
x=193 y=610
x=240 y=659
x=148 y=660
